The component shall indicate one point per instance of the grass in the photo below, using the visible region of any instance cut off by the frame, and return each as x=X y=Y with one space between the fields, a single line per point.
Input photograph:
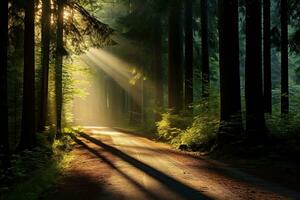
x=34 y=172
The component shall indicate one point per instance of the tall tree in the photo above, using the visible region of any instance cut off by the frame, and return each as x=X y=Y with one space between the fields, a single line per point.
x=229 y=69
x=255 y=121
x=59 y=66
x=188 y=53
x=4 y=137
x=45 y=49
x=204 y=48
x=28 y=112
x=157 y=68
x=267 y=57
x=175 y=57
x=284 y=58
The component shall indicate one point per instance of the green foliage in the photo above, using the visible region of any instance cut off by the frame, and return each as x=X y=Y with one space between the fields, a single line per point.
x=73 y=87
x=201 y=133
x=195 y=133
x=171 y=126
x=33 y=172
x=286 y=127
x=197 y=130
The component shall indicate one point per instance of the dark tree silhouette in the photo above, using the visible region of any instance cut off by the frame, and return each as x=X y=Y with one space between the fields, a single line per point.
x=45 y=49
x=204 y=48
x=229 y=69
x=4 y=139
x=157 y=66
x=59 y=66
x=267 y=57
x=28 y=112
x=255 y=121
x=175 y=58
x=284 y=58
x=188 y=53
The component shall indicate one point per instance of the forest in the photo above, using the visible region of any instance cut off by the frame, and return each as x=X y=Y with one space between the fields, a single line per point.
x=149 y=99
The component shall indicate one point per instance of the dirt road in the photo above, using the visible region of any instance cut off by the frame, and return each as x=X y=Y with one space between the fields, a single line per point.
x=113 y=165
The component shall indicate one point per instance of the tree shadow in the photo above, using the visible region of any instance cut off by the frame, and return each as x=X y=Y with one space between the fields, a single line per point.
x=110 y=164
x=178 y=188
x=75 y=186
x=187 y=192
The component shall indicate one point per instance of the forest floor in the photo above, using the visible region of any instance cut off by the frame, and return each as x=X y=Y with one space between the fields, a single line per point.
x=111 y=165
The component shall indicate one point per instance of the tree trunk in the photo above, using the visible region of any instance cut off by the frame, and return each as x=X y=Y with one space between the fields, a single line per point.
x=45 y=49
x=267 y=57
x=28 y=113
x=157 y=68
x=204 y=48
x=4 y=137
x=59 y=66
x=229 y=69
x=188 y=54
x=175 y=78
x=284 y=59
x=255 y=121
x=136 y=103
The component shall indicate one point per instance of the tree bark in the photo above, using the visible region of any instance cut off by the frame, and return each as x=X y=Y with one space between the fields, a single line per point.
x=175 y=77
x=204 y=49
x=284 y=59
x=59 y=66
x=231 y=120
x=4 y=137
x=188 y=54
x=45 y=49
x=157 y=68
x=28 y=113
x=255 y=121
x=267 y=57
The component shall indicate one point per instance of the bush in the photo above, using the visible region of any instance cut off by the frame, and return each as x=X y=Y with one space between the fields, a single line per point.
x=189 y=131
x=171 y=126
x=201 y=134
x=34 y=171
x=283 y=126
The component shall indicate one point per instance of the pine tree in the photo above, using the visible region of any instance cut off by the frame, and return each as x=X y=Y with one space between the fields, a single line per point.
x=267 y=57
x=4 y=137
x=284 y=58
x=255 y=121
x=204 y=48
x=59 y=66
x=188 y=53
x=28 y=112
x=175 y=58
x=229 y=69
x=157 y=65
x=45 y=49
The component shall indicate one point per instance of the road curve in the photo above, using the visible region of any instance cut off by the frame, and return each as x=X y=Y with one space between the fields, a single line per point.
x=112 y=165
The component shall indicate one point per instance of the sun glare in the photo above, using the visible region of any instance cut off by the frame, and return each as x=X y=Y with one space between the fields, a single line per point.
x=119 y=70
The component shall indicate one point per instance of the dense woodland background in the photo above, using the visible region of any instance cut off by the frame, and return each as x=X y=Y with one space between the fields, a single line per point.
x=202 y=75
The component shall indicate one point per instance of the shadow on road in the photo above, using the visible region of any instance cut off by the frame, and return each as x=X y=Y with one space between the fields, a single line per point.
x=178 y=188
x=110 y=164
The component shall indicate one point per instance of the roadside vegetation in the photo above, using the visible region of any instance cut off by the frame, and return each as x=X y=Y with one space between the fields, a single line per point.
x=32 y=172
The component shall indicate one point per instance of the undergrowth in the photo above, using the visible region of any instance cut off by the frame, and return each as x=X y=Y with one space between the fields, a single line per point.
x=34 y=171
x=197 y=130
